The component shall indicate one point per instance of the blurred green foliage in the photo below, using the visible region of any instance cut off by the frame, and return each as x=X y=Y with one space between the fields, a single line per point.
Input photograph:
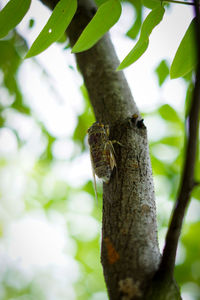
x=162 y=71
x=11 y=51
x=189 y=271
x=84 y=120
x=44 y=191
x=31 y=23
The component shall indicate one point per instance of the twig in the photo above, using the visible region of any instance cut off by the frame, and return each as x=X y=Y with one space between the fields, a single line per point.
x=187 y=182
x=178 y=2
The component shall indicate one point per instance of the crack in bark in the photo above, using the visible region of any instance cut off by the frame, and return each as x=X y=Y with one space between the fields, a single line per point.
x=140 y=171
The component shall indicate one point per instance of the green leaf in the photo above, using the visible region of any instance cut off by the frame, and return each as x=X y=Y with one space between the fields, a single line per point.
x=31 y=23
x=187 y=272
x=100 y=2
x=106 y=16
x=174 y=141
x=12 y=14
x=153 y=19
x=162 y=71
x=55 y=27
x=89 y=188
x=196 y=192
x=159 y=168
x=169 y=114
x=151 y=3
x=185 y=58
x=134 y=30
x=134 y=55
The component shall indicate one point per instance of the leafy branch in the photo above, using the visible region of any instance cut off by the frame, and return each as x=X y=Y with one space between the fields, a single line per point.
x=187 y=182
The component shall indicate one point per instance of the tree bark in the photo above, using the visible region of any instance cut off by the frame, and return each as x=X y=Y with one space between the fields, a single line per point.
x=130 y=254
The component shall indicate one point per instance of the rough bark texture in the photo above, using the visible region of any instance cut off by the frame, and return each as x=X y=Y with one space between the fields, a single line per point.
x=130 y=254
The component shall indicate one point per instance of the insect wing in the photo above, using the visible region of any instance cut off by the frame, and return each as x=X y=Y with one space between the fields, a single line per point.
x=102 y=153
x=112 y=155
x=94 y=178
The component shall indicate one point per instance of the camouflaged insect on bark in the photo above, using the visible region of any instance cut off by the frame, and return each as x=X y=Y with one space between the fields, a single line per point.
x=101 y=151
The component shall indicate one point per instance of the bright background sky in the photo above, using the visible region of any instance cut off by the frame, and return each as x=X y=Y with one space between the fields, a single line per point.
x=34 y=242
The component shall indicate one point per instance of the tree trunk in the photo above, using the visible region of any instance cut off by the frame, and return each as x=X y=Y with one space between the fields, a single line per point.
x=130 y=254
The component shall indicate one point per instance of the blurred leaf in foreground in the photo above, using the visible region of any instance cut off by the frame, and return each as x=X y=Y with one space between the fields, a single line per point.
x=162 y=71
x=12 y=14
x=185 y=58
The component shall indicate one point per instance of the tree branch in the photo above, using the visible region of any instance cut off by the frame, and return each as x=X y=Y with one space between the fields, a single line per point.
x=129 y=253
x=187 y=183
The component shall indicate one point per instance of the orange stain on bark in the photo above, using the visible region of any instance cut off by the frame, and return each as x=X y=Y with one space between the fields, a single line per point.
x=112 y=254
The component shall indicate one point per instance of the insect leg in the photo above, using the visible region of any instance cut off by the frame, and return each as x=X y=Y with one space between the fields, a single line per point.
x=116 y=142
x=107 y=130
